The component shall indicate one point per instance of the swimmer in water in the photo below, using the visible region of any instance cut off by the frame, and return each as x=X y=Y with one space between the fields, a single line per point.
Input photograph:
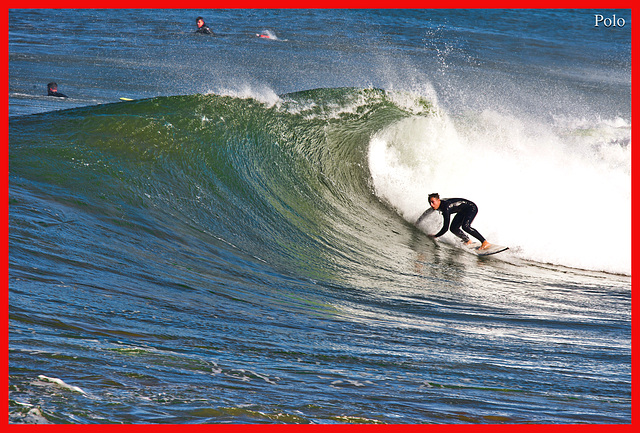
x=202 y=27
x=52 y=90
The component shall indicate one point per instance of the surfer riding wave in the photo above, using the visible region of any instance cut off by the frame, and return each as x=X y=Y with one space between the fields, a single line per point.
x=465 y=211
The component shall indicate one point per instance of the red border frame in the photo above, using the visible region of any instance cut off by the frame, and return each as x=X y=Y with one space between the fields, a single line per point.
x=314 y=4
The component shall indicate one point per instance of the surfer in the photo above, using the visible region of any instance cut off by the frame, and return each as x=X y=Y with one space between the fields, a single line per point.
x=52 y=90
x=202 y=27
x=465 y=211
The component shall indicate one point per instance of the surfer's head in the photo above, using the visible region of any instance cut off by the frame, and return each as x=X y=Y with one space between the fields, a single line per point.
x=52 y=87
x=199 y=22
x=434 y=200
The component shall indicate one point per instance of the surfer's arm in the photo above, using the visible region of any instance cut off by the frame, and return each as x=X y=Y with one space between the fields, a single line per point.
x=424 y=215
x=445 y=224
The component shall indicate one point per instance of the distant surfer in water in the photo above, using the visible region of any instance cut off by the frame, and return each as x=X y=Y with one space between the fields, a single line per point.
x=465 y=211
x=52 y=90
x=202 y=27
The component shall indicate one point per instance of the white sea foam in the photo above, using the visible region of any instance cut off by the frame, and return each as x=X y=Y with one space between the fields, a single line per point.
x=558 y=193
x=33 y=416
x=264 y=94
x=61 y=384
x=268 y=34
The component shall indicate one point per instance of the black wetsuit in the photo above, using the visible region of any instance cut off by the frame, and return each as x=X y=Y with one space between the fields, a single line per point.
x=465 y=211
x=56 y=93
x=204 y=30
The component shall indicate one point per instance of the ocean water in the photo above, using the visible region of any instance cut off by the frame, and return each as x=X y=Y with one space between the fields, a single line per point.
x=237 y=244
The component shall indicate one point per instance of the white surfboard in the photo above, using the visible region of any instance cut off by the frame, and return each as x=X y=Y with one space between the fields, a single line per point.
x=493 y=249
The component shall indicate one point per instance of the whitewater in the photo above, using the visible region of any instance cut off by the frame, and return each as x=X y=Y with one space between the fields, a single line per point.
x=557 y=193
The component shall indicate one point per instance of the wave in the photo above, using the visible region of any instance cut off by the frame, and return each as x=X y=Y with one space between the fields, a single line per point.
x=319 y=182
x=557 y=194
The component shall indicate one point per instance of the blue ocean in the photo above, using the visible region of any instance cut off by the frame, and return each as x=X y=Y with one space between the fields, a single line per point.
x=235 y=240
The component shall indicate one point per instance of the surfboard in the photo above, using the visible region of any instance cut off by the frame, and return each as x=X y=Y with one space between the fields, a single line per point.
x=126 y=99
x=493 y=249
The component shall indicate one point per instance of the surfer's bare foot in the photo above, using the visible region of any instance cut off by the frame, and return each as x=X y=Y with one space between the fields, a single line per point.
x=484 y=245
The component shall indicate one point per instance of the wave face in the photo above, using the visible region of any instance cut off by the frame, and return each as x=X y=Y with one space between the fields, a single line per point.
x=276 y=182
x=210 y=256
